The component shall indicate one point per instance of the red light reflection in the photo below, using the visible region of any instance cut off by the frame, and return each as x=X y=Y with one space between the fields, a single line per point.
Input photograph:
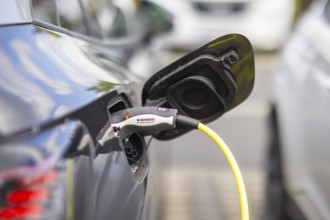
x=30 y=210
x=27 y=195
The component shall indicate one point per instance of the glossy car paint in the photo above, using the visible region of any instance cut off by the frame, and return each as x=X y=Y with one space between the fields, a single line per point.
x=50 y=77
x=301 y=99
x=54 y=102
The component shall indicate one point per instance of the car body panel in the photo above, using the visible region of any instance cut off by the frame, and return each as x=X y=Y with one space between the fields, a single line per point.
x=56 y=89
x=46 y=81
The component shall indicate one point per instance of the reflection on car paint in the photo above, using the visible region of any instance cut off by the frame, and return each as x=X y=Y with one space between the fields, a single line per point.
x=42 y=85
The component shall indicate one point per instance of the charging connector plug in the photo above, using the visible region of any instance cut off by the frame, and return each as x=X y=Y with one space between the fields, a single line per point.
x=144 y=120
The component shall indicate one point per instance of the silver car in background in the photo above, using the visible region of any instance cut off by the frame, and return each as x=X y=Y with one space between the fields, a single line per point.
x=298 y=156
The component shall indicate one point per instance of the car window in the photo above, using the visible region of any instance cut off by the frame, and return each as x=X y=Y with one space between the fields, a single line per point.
x=89 y=7
x=45 y=10
x=71 y=16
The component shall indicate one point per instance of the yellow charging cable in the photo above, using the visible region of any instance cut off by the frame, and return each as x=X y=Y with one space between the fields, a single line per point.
x=165 y=121
x=233 y=165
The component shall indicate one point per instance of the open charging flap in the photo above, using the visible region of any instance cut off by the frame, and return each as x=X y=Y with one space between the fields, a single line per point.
x=205 y=83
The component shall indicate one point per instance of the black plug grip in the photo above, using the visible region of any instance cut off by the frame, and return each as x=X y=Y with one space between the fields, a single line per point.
x=186 y=122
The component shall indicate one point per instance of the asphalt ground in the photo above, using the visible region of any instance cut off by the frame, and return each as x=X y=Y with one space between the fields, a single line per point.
x=197 y=180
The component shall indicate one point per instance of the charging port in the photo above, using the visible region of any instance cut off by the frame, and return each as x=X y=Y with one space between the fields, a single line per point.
x=134 y=146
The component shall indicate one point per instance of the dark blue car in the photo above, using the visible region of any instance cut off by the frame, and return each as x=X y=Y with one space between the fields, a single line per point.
x=65 y=67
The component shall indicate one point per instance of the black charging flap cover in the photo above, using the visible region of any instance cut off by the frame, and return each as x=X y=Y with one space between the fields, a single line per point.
x=205 y=83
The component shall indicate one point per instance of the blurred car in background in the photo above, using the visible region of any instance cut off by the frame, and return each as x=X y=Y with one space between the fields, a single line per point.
x=298 y=156
x=65 y=66
x=267 y=23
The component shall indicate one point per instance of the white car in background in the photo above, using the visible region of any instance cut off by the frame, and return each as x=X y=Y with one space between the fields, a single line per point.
x=266 y=23
x=298 y=165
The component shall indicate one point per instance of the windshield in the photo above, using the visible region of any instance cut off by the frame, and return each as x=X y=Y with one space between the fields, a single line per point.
x=13 y=12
